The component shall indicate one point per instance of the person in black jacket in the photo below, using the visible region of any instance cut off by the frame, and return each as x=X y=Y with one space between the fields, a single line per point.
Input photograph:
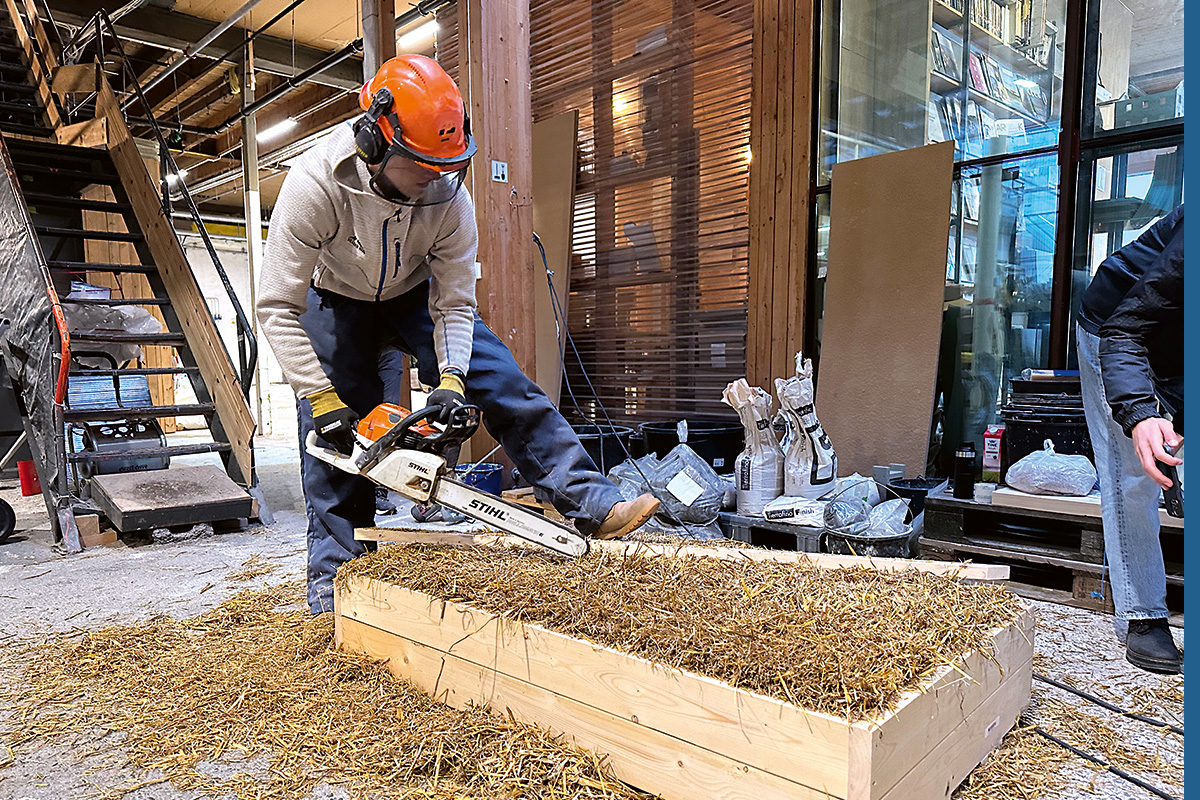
x=1130 y=344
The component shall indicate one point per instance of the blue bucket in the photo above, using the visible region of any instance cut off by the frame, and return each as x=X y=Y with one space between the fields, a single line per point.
x=482 y=475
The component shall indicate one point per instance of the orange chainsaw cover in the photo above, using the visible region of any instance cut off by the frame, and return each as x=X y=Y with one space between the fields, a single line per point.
x=386 y=416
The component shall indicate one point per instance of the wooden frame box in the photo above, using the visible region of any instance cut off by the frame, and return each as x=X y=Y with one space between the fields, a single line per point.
x=684 y=736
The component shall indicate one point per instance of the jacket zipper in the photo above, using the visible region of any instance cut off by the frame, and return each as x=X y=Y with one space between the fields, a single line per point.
x=383 y=260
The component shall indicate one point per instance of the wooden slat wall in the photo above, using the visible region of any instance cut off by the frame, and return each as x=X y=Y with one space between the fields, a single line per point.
x=781 y=140
x=660 y=235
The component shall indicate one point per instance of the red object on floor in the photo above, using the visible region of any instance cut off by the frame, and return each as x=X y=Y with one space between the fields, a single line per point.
x=30 y=484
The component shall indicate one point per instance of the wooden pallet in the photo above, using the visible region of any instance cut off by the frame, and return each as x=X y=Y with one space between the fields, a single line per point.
x=762 y=532
x=683 y=736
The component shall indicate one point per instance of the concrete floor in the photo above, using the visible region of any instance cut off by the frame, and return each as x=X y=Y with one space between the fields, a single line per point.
x=42 y=591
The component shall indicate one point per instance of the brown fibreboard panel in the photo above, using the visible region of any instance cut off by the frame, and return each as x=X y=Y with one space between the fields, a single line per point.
x=554 y=165
x=176 y=496
x=889 y=228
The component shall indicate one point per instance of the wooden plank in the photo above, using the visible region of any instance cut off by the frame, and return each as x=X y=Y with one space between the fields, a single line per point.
x=72 y=78
x=883 y=305
x=1006 y=497
x=977 y=572
x=802 y=139
x=940 y=772
x=924 y=720
x=203 y=339
x=782 y=190
x=554 y=168
x=708 y=713
x=42 y=74
x=671 y=768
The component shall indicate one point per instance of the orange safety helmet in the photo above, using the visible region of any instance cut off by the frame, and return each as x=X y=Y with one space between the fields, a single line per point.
x=414 y=110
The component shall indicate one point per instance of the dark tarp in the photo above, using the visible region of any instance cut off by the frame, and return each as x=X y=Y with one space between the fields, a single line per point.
x=28 y=342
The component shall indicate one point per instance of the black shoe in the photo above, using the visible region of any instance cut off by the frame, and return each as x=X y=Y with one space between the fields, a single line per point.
x=1151 y=646
x=383 y=503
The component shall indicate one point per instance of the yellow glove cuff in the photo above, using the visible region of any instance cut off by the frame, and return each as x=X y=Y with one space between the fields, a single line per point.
x=453 y=383
x=325 y=401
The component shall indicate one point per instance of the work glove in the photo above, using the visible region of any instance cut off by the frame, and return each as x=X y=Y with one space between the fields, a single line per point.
x=447 y=396
x=333 y=420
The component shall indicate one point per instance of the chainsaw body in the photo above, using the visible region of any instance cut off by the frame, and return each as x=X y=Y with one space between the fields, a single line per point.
x=403 y=452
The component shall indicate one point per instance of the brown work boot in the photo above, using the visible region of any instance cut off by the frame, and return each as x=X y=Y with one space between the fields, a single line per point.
x=627 y=516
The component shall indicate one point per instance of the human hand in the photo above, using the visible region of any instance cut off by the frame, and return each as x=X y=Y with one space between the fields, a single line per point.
x=1149 y=436
x=447 y=396
x=333 y=421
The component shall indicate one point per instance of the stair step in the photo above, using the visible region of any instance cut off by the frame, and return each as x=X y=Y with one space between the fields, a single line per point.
x=57 y=150
x=153 y=452
x=10 y=67
x=15 y=49
x=119 y=301
x=69 y=174
x=31 y=107
x=23 y=129
x=17 y=88
x=137 y=412
x=98 y=236
x=88 y=373
x=163 y=339
x=88 y=266
x=63 y=201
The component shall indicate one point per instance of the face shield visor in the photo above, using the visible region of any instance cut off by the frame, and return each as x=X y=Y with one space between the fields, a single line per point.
x=408 y=178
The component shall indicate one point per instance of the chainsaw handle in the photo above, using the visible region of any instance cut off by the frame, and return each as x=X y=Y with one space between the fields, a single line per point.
x=464 y=421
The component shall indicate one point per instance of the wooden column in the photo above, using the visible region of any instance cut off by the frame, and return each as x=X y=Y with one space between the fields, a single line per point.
x=379 y=34
x=494 y=79
x=781 y=148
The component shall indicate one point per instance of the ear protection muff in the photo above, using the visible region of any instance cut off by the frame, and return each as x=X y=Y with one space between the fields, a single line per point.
x=369 y=141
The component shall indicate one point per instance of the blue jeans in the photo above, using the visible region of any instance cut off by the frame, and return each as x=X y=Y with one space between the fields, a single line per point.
x=346 y=334
x=1129 y=500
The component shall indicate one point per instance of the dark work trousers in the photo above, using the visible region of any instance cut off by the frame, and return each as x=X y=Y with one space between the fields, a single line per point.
x=345 y=334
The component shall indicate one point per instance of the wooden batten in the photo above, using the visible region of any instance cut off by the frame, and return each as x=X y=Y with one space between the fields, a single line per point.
x=780 y=203
x=684 y=736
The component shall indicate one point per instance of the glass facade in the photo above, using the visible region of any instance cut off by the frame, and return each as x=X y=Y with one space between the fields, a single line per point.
x=990 y=76
x=1138 y=58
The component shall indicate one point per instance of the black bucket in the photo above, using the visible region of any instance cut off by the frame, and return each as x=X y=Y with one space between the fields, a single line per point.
x=848 y=544
x=914 y=490
x=1025 y=436
x=716 y=441
x=605 y=444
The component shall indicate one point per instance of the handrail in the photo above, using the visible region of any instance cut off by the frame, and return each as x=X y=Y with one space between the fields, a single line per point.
x=45 y=9
x=247 y=343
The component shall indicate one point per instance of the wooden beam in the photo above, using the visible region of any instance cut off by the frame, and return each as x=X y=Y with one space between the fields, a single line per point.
x=379 y=34
x=494 y=41
x=982 y=573
x=780 y=145
x=43 y=73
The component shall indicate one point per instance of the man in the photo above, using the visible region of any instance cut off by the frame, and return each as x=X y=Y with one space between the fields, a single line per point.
x=373 y=239
x=1131 y=365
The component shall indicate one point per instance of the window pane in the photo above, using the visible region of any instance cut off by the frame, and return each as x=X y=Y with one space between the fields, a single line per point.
x=1129 y=193
x=897 y=74
x=1139 y=76
x=997 y=313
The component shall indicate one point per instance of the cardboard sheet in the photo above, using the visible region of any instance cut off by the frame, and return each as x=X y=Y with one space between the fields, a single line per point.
x=554 y=166
x=890 y=225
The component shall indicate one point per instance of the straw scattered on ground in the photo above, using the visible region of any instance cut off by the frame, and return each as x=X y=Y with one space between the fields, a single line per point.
x=255 y=680
x=1027 y=765
x=254 y=567
x=847 y=642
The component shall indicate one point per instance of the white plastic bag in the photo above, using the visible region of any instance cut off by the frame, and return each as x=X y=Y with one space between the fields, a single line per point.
x=689 y=489
x=759 y=467
x=110 y=319
x=1047 y=472
x=809 y=464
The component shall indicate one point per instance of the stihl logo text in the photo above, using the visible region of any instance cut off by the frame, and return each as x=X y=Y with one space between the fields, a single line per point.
x=418 y=468
x=479 y=505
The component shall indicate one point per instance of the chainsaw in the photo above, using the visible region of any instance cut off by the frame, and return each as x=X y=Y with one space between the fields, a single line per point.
x=403 y=452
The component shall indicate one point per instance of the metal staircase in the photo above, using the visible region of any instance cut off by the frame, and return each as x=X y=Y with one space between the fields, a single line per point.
x=89 y=215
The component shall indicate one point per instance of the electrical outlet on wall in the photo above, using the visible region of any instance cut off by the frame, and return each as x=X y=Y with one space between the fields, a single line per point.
x=500 y=171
